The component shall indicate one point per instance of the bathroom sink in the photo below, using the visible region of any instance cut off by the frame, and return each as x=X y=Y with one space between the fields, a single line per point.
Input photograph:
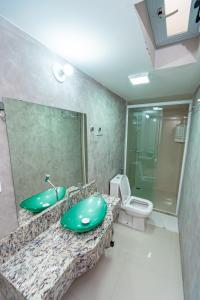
x=43 y=200
x=85 y=215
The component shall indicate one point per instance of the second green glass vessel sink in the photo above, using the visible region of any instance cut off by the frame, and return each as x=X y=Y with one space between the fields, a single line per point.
x=85 y=215
x=43 y=200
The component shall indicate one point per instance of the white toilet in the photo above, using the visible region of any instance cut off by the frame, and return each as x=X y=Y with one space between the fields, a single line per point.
x=134 y=210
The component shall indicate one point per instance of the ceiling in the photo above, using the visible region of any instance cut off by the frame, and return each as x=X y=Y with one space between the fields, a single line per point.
x=103 y=39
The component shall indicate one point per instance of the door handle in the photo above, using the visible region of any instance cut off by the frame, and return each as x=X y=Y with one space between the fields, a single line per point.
x=162 y=15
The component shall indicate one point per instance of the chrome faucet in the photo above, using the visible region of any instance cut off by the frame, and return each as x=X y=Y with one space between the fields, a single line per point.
x=47 y=179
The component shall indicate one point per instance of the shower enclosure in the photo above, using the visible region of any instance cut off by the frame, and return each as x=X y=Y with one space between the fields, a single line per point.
x=155 y=152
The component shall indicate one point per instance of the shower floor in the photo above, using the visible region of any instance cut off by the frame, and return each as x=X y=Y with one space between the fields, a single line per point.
x=162 y=201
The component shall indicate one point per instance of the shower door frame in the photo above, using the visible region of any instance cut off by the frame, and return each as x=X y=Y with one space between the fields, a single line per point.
x=169 y=103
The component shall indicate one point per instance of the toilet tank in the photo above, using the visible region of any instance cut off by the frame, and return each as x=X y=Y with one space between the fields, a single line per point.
x=114 y=186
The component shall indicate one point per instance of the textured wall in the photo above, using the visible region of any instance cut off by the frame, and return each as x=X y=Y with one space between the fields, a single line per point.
x=25 y=73
x=43 y=140
x=8 y=216
x=189 y=215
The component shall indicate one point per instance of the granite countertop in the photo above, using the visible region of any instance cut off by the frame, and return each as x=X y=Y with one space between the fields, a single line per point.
x=36 y=268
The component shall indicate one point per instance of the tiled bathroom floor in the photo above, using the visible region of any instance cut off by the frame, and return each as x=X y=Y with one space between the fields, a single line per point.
x=141 y=266
x=164 y=221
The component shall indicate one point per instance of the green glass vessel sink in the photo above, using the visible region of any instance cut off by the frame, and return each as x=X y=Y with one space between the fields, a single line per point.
x=85 y=215
x=43 y=200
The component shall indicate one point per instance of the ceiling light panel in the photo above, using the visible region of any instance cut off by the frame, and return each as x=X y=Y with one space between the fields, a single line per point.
x=137 y=79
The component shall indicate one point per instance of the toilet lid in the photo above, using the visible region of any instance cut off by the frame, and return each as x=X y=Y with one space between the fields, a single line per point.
x=125 y=188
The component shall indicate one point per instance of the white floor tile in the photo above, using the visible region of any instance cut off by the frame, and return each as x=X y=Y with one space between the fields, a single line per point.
x=141 y=266
x=164 y=221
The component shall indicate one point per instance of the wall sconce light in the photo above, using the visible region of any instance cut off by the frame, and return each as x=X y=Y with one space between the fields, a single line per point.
x=60 y=72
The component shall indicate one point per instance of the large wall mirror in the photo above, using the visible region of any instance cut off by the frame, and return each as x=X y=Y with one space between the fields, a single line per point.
x=45 y=140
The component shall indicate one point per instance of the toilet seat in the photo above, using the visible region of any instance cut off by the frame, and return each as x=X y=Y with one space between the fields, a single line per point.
x=138 y=206
x=134 y=206
x=134 y=211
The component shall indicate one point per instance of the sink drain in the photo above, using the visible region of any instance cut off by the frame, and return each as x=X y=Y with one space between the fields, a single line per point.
x=85 y=221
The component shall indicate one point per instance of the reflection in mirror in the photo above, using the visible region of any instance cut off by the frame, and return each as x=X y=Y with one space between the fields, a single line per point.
x=47 y=151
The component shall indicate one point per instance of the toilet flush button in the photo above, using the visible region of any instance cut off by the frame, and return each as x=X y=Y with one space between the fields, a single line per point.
x=85 y=220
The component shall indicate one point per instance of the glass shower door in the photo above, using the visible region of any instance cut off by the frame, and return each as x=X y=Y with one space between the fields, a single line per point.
x=155 y=145
x=142 y=151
